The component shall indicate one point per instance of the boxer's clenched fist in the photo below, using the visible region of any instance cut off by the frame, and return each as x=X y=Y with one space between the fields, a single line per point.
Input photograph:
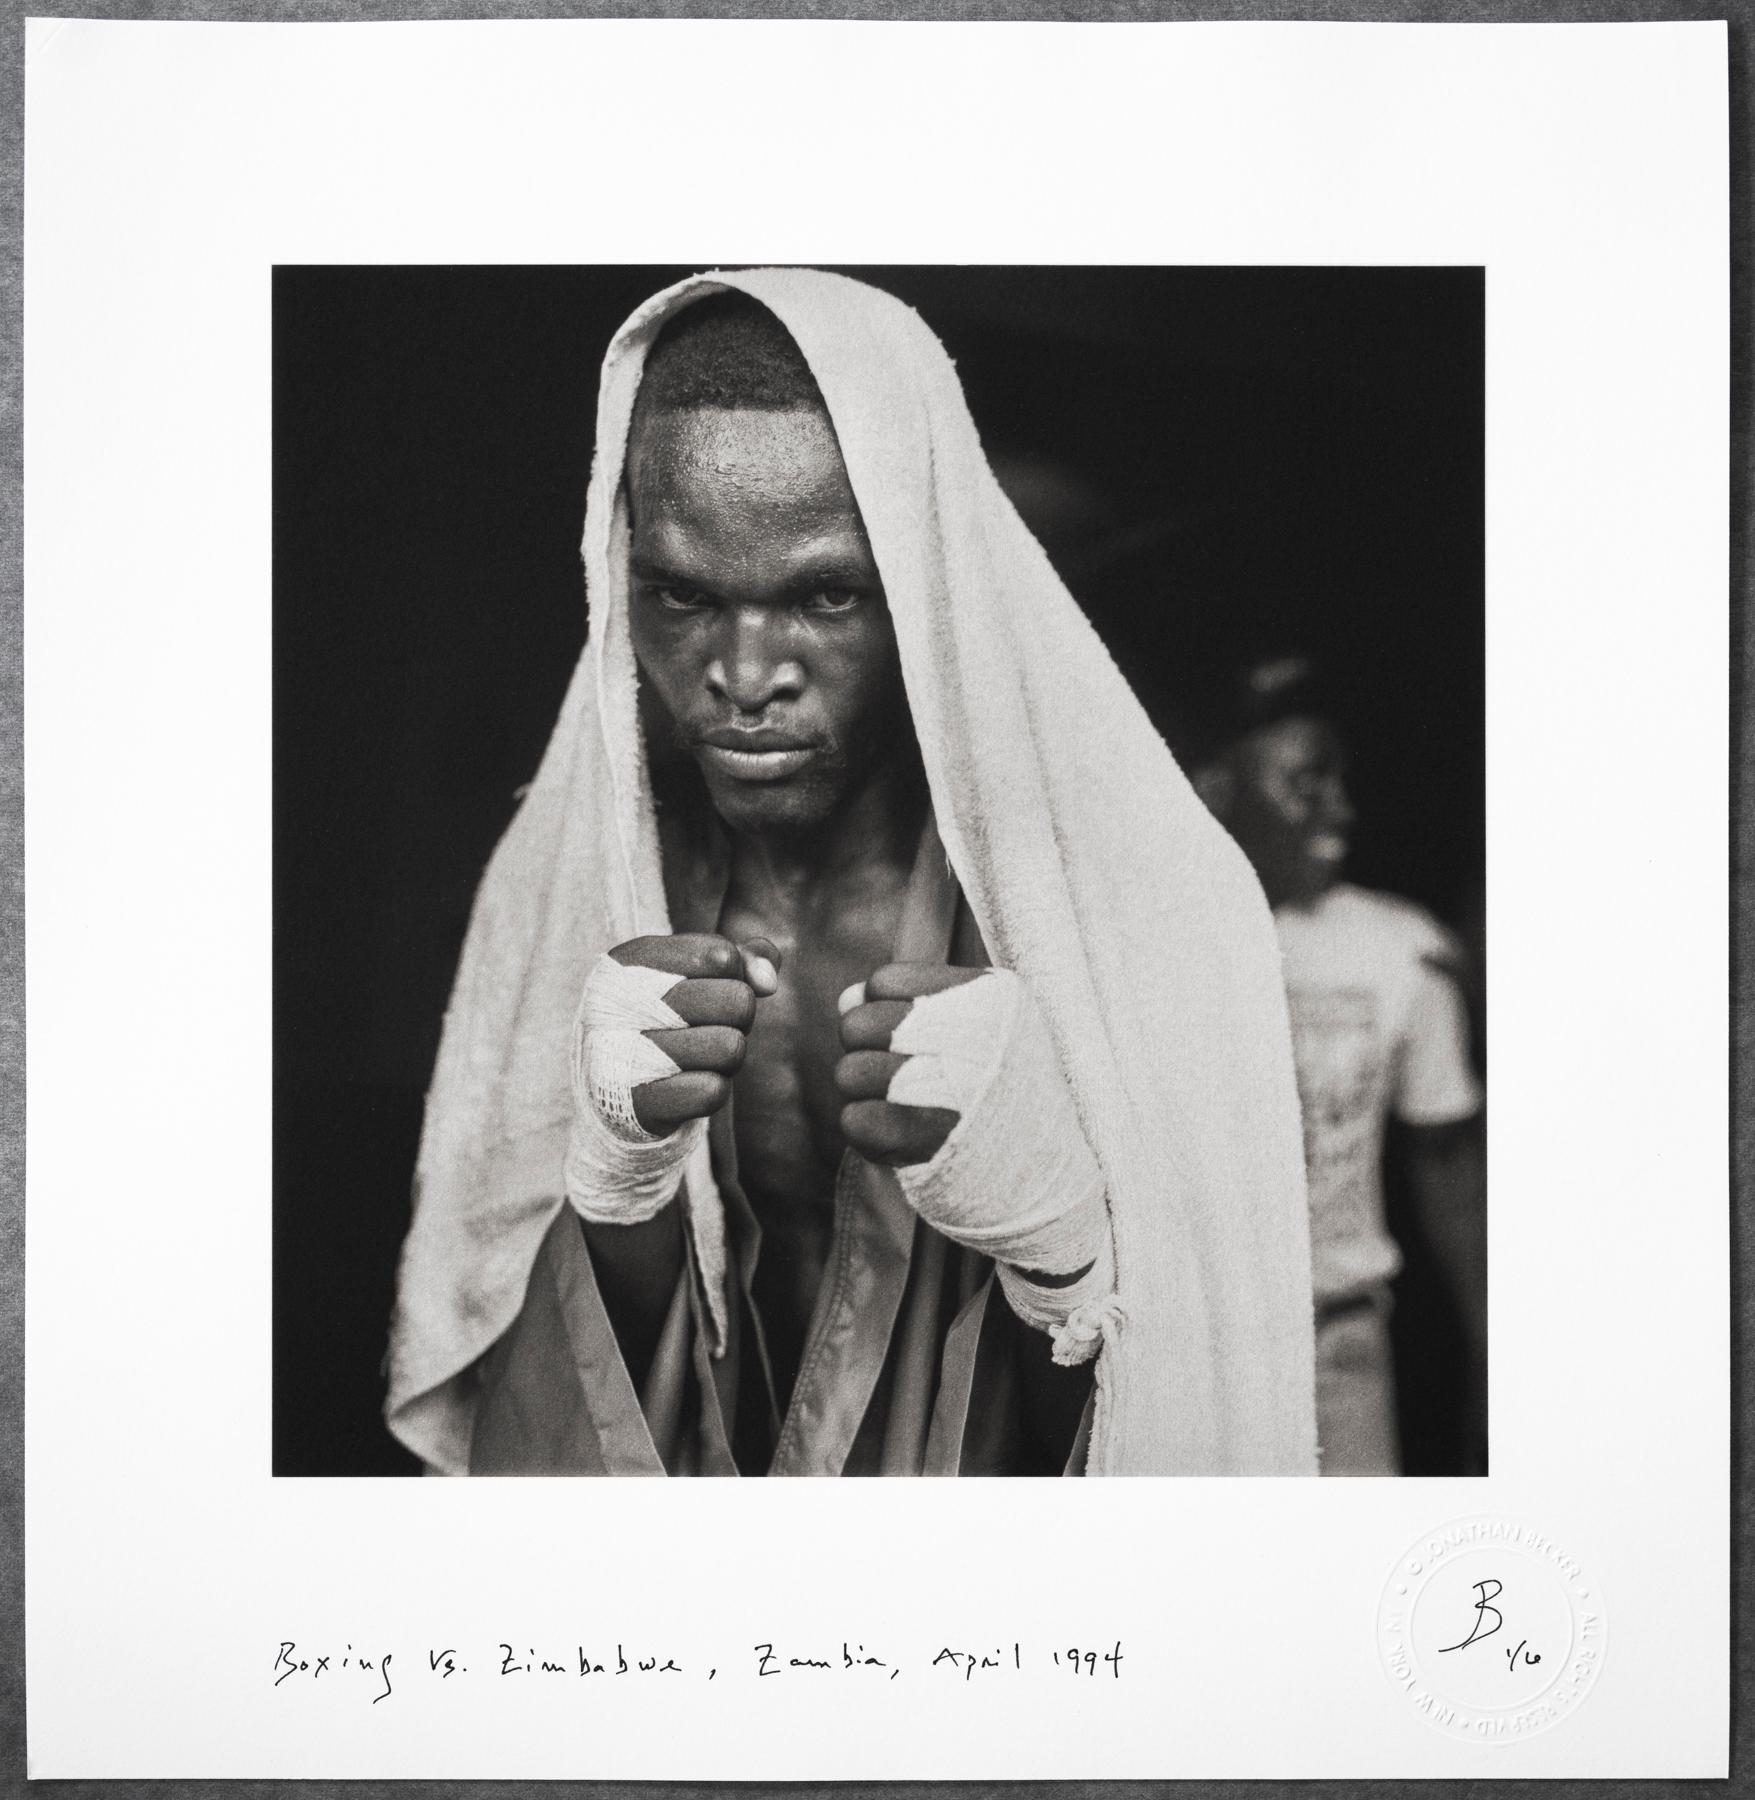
x=882 y=1130
x=952 y=1078
x=658 y=1036
x=718 y=985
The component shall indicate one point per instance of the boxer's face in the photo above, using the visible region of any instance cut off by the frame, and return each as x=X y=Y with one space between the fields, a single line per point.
x=758 y=617
x=1290 y=809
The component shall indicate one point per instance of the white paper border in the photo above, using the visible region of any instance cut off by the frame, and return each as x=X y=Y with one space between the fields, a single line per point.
x=168 y=168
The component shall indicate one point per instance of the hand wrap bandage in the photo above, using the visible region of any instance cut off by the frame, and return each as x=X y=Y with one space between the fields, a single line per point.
x=1015 y=1180
x=618 y=1173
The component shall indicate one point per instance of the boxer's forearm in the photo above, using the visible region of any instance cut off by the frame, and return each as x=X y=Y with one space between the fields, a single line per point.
x=637 y=1269
x=659 y=1034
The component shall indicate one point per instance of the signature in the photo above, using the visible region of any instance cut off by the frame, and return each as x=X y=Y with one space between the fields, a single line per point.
x=1481 y=1630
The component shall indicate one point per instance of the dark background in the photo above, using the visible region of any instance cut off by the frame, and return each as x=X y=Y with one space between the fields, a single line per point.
x=1222 y=462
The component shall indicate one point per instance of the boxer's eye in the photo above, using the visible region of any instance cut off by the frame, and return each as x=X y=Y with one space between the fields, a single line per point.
x=676 y=598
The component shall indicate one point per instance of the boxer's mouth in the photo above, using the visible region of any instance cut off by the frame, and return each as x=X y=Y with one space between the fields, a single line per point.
x=755 y=755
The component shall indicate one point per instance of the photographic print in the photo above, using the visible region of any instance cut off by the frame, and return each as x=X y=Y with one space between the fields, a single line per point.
x=1237 y=512
x=782 y=748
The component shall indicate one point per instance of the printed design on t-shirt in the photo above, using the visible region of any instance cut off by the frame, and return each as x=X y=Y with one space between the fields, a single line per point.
x=1342 y=1053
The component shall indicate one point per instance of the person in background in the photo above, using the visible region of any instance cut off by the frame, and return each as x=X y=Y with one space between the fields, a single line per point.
x=1380 y=1032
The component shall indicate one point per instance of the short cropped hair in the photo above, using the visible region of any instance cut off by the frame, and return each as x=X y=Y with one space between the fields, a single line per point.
x=1262 y=692
x=726 y=350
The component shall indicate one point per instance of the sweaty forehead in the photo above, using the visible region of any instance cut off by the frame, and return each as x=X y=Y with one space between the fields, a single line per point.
x=763 y=453
x=738 y=468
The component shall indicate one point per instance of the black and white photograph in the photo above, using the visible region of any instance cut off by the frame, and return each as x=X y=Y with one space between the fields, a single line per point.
x=816 y=747
x=1024 y=778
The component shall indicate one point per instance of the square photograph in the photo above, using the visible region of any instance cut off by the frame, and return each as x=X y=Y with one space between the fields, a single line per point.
x=879 y=871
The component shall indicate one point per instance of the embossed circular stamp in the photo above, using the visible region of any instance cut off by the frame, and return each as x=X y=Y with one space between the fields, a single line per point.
x=1492 y=1630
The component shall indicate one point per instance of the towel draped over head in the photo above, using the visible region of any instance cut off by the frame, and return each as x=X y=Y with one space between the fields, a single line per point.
x=1089 y=864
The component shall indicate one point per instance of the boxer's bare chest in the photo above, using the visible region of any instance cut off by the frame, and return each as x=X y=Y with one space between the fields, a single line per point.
x=786 y=1109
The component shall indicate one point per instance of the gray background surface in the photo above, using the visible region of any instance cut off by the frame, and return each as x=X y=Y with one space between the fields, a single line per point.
x=12 y=1021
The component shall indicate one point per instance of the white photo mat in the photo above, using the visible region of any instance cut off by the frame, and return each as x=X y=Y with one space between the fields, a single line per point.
x=169 y=168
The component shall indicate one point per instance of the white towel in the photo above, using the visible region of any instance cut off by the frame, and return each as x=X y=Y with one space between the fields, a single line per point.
x=1089 y=864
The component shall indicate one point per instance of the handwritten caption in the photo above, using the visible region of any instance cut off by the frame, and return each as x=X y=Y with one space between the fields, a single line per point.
x=378 y=1674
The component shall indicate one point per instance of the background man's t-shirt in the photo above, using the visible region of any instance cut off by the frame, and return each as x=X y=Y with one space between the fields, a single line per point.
x=1377 y=1030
